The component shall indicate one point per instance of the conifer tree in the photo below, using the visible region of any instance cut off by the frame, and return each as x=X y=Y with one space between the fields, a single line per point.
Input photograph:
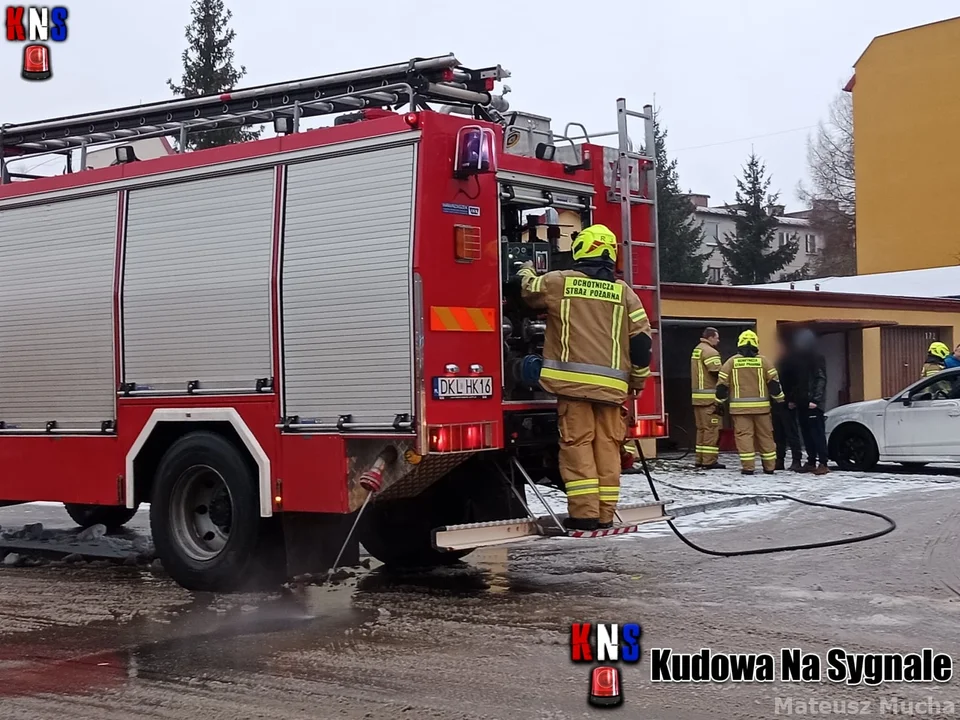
x=208 y=68
x=749 y=255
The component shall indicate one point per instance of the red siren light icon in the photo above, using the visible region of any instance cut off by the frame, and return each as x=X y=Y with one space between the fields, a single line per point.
x=605 y=687
x=36 y=62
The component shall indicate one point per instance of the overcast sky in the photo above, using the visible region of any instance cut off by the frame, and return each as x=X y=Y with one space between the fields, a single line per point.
x=727 y=74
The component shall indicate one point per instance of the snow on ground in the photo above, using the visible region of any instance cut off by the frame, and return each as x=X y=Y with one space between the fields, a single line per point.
x=838 y=488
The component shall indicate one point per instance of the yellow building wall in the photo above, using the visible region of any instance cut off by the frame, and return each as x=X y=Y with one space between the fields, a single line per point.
x=906 y=108
x=767 y=317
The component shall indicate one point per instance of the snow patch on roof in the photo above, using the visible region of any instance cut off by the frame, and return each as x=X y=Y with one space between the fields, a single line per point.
x=942 y=282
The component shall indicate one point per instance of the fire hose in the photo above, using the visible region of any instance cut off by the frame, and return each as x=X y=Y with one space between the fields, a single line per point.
x=891 y=524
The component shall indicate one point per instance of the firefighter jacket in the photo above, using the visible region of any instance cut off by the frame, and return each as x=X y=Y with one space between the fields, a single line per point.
x=594 y=330
x=705 y=363
x=749 y=382
x=932 y=366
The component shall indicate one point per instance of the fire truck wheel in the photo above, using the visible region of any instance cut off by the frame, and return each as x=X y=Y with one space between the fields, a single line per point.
x=112 y=516
x=205 y=513
x=400 y=532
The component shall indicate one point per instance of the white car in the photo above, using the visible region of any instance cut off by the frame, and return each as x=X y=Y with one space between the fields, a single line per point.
x=917 y=426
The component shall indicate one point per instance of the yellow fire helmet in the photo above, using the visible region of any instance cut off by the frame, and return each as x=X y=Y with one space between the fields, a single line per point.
x=593 y=242
x=938 y=349
x=748 y=337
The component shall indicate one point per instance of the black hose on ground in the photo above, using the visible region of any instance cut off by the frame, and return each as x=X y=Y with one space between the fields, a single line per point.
x=891 y=524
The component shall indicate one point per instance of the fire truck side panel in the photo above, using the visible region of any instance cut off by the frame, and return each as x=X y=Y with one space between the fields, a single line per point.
x=312 y=473
x=347 y=298
x=196 y=290
x=73 y=469
x=461 y=298
x=56 y=327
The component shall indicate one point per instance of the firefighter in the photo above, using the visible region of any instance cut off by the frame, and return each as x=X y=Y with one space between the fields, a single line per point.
x=596 y=351
x=705 y=363
x=749 y=382
x=936 y=357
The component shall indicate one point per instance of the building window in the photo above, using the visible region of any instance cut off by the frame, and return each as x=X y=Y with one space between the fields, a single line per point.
x=784 y=238
x=711 y=233
x=714 y=275
x=811 y=244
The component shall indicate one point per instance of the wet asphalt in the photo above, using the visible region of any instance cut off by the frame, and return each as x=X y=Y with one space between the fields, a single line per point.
x=488 y=638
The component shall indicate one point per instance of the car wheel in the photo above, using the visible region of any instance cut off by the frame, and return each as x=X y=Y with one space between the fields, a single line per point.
x=205 y=513
x=855 y=448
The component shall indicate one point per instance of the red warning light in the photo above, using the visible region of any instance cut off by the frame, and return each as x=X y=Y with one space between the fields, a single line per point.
x=36 y=63
x=605 y=686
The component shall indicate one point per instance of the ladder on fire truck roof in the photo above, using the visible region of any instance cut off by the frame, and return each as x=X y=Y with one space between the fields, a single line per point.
x=416 y=83
x=645 y=163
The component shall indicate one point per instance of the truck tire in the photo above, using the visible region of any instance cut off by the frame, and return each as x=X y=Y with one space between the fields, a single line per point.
x=399 y=532
x=205 y=513
x=854 y=448
x=113 y=517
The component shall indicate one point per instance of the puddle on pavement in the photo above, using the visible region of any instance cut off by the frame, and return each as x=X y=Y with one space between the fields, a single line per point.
x=203 y=638
x=210 y=636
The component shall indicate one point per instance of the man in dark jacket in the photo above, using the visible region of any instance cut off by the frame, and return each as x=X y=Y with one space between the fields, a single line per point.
x=786 y=431
x=808 y=372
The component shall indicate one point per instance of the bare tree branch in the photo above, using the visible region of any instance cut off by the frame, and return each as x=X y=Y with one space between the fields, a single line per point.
x=832 y=195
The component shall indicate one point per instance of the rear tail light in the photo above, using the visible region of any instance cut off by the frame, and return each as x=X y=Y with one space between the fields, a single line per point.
x=467 y=437
x=647 y=428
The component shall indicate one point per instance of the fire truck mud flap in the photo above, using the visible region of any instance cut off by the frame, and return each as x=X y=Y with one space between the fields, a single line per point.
x=503 y=532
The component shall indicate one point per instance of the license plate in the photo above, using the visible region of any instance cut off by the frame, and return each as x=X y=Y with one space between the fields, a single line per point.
x=447 y=388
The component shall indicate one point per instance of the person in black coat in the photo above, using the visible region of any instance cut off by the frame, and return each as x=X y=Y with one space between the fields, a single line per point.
x=786 y=431
x=807 y=370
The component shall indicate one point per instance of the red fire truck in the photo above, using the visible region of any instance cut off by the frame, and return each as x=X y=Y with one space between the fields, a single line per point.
x=238 y=336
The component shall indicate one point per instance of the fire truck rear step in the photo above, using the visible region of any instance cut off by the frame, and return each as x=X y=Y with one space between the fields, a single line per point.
x=504 y=532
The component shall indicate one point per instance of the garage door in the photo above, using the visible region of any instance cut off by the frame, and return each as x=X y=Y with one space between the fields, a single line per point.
x=903 y=350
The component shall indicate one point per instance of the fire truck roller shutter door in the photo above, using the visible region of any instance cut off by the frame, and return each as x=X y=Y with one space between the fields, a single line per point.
x=56 y=324
x=196 y=302
x=347 y=314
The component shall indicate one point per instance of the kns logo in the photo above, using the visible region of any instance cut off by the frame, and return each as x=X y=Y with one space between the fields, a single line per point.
x=36 y=24
x=612 y=642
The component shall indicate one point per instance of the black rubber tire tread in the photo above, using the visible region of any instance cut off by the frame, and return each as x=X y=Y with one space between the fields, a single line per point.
x=233 y=566
x=847 y=433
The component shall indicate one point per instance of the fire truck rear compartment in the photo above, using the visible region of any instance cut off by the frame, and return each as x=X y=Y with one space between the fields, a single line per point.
x=237 y=334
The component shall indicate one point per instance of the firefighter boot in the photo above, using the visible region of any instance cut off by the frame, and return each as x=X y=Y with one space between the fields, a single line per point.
x=577 y=465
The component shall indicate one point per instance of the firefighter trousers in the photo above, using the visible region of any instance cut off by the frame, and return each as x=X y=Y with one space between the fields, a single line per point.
x=754 y=434
x=591 y=434
x=708 y=434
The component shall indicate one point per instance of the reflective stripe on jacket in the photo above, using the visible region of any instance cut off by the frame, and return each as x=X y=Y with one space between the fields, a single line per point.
x=930 y=368
x=586 y=351
x=747 y=380
x=705 y=363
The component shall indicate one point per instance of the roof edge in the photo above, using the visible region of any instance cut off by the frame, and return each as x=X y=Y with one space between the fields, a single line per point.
x=731 y=293
x=901 y=30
